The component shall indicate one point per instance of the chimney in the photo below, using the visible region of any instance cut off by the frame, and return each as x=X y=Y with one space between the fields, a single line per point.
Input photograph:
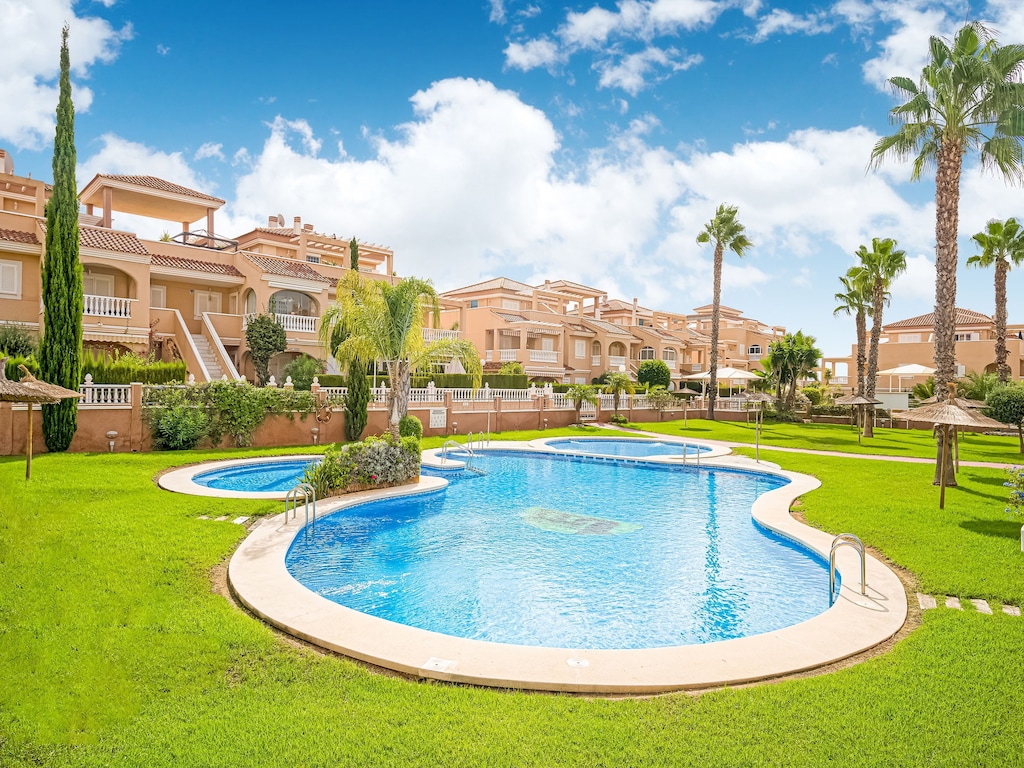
x=6 y=162
x=307 y=227
x=272 y=222
x=634 y=311
x=297 y=228
x=597 y=308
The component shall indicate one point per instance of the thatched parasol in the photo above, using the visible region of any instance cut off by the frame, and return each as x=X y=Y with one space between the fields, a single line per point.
x=946 y=414
x=963 y=402
x=30 y=390
x=858 y=402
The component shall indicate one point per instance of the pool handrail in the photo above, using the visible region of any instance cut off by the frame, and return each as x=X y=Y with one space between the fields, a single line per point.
x=845 y=540
x=292 y=497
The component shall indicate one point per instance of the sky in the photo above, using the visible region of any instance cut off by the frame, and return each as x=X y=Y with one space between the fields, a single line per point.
x=588 y=141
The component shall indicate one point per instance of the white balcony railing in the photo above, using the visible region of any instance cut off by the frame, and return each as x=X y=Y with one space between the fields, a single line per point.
x=671 y=364
x=595 y=361
x=107 y=306
x=110 y=395
x=543 y=356
x=614 y=361
x=507 y=355
x=300 y=323
x=436 y=334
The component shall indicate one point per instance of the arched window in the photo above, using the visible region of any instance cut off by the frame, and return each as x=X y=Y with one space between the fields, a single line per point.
x=293 y=303
x=647 y=353
x=595 y=348
x=617 y=349
x=669 y=355
x=250 y=302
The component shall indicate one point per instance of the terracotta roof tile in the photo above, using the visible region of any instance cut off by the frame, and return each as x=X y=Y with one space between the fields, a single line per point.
x=502 y=283
x=963 y=317
x=152 y=182
x=110 y=240
x=195 y=265
x=286 y=268
x=18 y=236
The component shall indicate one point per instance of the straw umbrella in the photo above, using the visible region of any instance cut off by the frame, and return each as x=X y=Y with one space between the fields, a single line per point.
x=859 y=402
x=30 y=390
x=963 y=402
x=945 y=415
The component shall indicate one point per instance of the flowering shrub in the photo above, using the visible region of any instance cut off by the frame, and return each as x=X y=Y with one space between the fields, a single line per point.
x=1016 y=486
x=376 y=461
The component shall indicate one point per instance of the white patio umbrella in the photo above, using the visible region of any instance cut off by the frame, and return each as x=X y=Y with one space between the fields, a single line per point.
x=906 y=371
x=725 y=374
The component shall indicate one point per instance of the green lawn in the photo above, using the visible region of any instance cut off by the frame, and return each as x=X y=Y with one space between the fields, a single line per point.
x=115 y=651
x=841 y=437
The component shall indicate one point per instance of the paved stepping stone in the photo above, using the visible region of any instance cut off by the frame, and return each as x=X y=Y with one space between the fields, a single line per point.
x=204 y=517
x=1011 y=610
x=982 y=606
x=925 y=601
x=241 y=521
x=954 y=602
x=221 y=519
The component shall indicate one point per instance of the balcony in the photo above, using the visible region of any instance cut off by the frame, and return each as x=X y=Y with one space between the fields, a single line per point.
x=299 y=323
x=671 y=364
x=437 y=334
x=507 y=355
x=107 y=306
x=543 y=356
x=595 y=361
x=614 y=361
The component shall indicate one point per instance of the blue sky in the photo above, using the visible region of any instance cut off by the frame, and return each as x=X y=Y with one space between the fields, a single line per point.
x=579 y=140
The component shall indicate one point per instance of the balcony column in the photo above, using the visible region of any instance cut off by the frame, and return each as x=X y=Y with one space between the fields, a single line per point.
x=209 y=221
x=525 y=356
x=108 y=202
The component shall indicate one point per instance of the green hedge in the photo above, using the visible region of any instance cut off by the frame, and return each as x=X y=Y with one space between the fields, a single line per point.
x=128 y=368
x=442 y=380
x=12 y=367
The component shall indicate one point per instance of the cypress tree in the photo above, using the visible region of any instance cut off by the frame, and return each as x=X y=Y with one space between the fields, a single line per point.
x=357 y=400
x=353 y=248
x=60 y=352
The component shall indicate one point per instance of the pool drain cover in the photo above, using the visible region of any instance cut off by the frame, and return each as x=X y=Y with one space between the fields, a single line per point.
x=568 y=522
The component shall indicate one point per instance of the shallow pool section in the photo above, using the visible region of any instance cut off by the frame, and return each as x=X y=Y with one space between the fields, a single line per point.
x=569 y=552
x=279 y=475
x=631 y=447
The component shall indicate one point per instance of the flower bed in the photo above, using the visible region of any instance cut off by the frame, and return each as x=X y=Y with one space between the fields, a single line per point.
x=376 y=462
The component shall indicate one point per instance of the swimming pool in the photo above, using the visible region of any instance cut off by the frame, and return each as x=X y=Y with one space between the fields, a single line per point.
x=256 y=476
x=635 y=448
x=568 y=552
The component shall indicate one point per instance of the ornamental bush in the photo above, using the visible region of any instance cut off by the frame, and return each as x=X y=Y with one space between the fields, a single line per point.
x=410 y=426
x=1016 y=486
x=302 y=370
x=654 y=373
x=265 y=337
x=15 y=341
x=376 y=461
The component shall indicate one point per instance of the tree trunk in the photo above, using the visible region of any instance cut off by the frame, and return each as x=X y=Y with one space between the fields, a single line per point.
x=877 y=302
x=715 y=310
x=1002 y=367
x=1020 y=436
x=398 y=395
x=947 y=211
x=862 y=337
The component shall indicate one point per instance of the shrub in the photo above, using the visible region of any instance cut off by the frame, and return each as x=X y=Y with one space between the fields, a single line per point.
x=511 y=368
x=1006 y=404
x=618 y=418
x=265 y=337
x=128 y=367
x=655 y=373
x=357 y=400
x=375 y=461
x=302 y=370
x=505 y=380
x=179 y=428
x=1016 y=486
x=410 y=426
x=332 y=380
x=16 y=341
x=12 y=367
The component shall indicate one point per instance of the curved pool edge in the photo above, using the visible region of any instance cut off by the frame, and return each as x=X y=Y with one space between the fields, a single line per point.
x=181 y=480
x=259 y=578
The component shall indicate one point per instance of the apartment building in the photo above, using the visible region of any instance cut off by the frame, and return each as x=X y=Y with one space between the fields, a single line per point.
x=912 y=341
x=186 y=295
x=566 y=332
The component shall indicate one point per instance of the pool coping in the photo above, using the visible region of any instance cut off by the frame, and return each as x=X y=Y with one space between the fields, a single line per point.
x=260 y=579
x=182 y=480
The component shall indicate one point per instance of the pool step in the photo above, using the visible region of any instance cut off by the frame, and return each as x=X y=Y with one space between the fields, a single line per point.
x=981 y=606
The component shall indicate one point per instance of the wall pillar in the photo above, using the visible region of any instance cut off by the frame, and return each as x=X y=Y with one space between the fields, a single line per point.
x=497 y=414
x=135 y=429
x=6 y=429
x=448 y=411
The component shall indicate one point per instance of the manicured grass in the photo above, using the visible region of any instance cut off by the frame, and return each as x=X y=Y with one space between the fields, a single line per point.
x=115 y=651
x=841 y=437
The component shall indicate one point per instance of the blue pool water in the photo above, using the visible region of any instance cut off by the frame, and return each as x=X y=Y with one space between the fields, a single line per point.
x=570 y=552
x=280 y=475
x=636 y=448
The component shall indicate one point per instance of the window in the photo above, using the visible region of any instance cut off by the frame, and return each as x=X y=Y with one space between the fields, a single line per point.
x=250 y=302
x=509 y=304
x=158 y=295
x=312 y=258
x=206 y=301
x=581 y=350
x=640 y=321
x=581 y=379
x=473 y=303
x=669 y=355
x=98 y=285
x=293 y=303
x=10 y=279
x=647 y=353
x=754 y=349
x=961 y=371
x=966 y=336
x=908 y=338
x=547 y=344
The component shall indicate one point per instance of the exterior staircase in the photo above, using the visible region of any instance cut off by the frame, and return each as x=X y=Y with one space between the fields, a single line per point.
x=207 y=354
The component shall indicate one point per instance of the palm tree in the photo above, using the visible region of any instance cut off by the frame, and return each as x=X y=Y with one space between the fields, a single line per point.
x=876 y=272
x=725 y=232
x=853 y=300
x=578 y=394
x=977 y=386
x=1002 y=244
x=374 y=320
x=618 y=384
x=969 y=85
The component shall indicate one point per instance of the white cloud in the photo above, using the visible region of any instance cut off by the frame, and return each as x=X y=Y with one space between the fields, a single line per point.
x=905 y=50
x=631 y=72
x=497 y=15
x=163 y=50
x=532 y=54
x=209 y=149
x=780 y=21
x=30 y=63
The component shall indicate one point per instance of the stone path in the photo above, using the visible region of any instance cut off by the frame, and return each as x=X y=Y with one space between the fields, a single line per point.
x=222 y=518
x=928 y=602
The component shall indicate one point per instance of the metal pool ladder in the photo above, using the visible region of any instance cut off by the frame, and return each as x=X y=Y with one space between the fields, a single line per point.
x=845 y=540
x=291 y=501
x=467 y=448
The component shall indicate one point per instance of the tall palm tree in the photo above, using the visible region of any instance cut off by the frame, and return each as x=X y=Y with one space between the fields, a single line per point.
x=970 y=85
x=875 y=274
x=725 y=232
x=373 y=320
x=1002 y=245
x=617 y=385
x=580 y=395
x=853 y=300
